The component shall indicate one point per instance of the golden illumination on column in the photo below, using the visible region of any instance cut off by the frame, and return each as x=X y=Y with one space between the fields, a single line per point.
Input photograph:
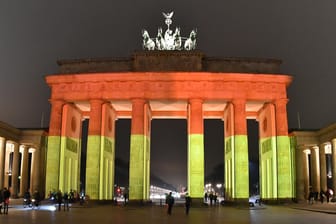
x=323 y=168
x=302 y=174
x=315 y=169
x=35 y=169
x=24 y=170
x=333 y=146
x=2 y=161
x=196 y=149
x=15 y=171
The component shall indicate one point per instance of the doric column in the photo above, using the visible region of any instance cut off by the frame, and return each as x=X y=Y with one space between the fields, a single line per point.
x=93 y=159
x=35 y=170
x=108 y=142
x=305 y=173
x=315 y=169
x=333 y=145
x=323 y=168
x=302 y=178
x=195 y=149
x=240 y=160
x=24 y=170
x=2 y=161
x=284 y=154
x=15 y=171
x=139 y=152
x=54 y=146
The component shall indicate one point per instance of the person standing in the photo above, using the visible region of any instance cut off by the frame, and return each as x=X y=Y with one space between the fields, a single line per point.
x=6 y=196
x=1 y=200
x=187 y=203
x=59 y=198
x=170 y=202
x=66 y=201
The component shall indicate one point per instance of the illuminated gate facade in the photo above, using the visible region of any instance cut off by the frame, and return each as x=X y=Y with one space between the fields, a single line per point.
x=175 y=84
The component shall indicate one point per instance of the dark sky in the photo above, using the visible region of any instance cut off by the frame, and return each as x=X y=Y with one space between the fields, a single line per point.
x=36 y=33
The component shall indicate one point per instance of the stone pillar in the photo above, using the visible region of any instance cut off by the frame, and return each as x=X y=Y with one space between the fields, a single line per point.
x=139 y=152
x=24 y=170
x=196 y=150
x=305 y=173
x=108 y=141
x=302 y=174
x=15 y=171
x=2 y=161
x=333 y=146
x=240 y=160
x=323 y=168
x=315 y=169
x=284 y=155
x=94 y=146
x=54 y=146
x=35 y=171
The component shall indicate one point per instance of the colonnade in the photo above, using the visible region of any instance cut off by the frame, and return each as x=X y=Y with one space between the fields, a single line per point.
x=65 y=140
x=141 y=96
x=19 y=167
x=316 y=166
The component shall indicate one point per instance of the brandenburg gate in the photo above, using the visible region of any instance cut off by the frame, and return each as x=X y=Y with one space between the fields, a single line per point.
x=168 y=84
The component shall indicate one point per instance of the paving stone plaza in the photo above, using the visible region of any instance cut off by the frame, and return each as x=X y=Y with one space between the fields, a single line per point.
x=291 y=213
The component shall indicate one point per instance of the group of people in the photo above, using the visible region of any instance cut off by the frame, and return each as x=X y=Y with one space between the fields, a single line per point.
x=212 y=197
x=63 y=198
x=170 y=201
x=32 y=201
x=4 y=200
x=314 y=196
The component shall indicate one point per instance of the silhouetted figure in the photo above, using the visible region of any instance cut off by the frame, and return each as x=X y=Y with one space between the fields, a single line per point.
x=59 y=198
x=66 y=201
x=211 y=197
x=187 y=203
x=37 y=198
x=321 y=197
x=6 y=195
x=206 y=197
x=170 y=202
x=327 y=195
x=1 y=200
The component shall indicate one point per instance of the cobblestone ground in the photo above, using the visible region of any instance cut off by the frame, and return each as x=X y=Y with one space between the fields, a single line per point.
x=101 y=214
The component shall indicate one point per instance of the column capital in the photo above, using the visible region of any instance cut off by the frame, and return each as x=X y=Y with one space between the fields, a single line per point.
x=280 y=101
x=195 y=100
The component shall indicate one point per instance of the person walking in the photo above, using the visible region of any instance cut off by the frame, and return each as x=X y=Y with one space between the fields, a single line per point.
x=187 y=203
x=170 y=202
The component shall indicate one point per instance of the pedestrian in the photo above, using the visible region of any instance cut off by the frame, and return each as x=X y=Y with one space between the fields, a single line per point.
x=187 y=203
x=211 y=197
x=59 y=198
x=6 y=196
x=66 y=201
x=1 y=200
x=206 y=197
x=170 y=202
x=321 y=197
x=37 y=198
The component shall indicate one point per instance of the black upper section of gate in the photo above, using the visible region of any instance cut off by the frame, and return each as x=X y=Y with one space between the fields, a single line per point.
x=167 y=61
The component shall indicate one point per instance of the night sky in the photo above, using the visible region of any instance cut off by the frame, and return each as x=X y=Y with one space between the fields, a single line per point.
x=34 y=34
